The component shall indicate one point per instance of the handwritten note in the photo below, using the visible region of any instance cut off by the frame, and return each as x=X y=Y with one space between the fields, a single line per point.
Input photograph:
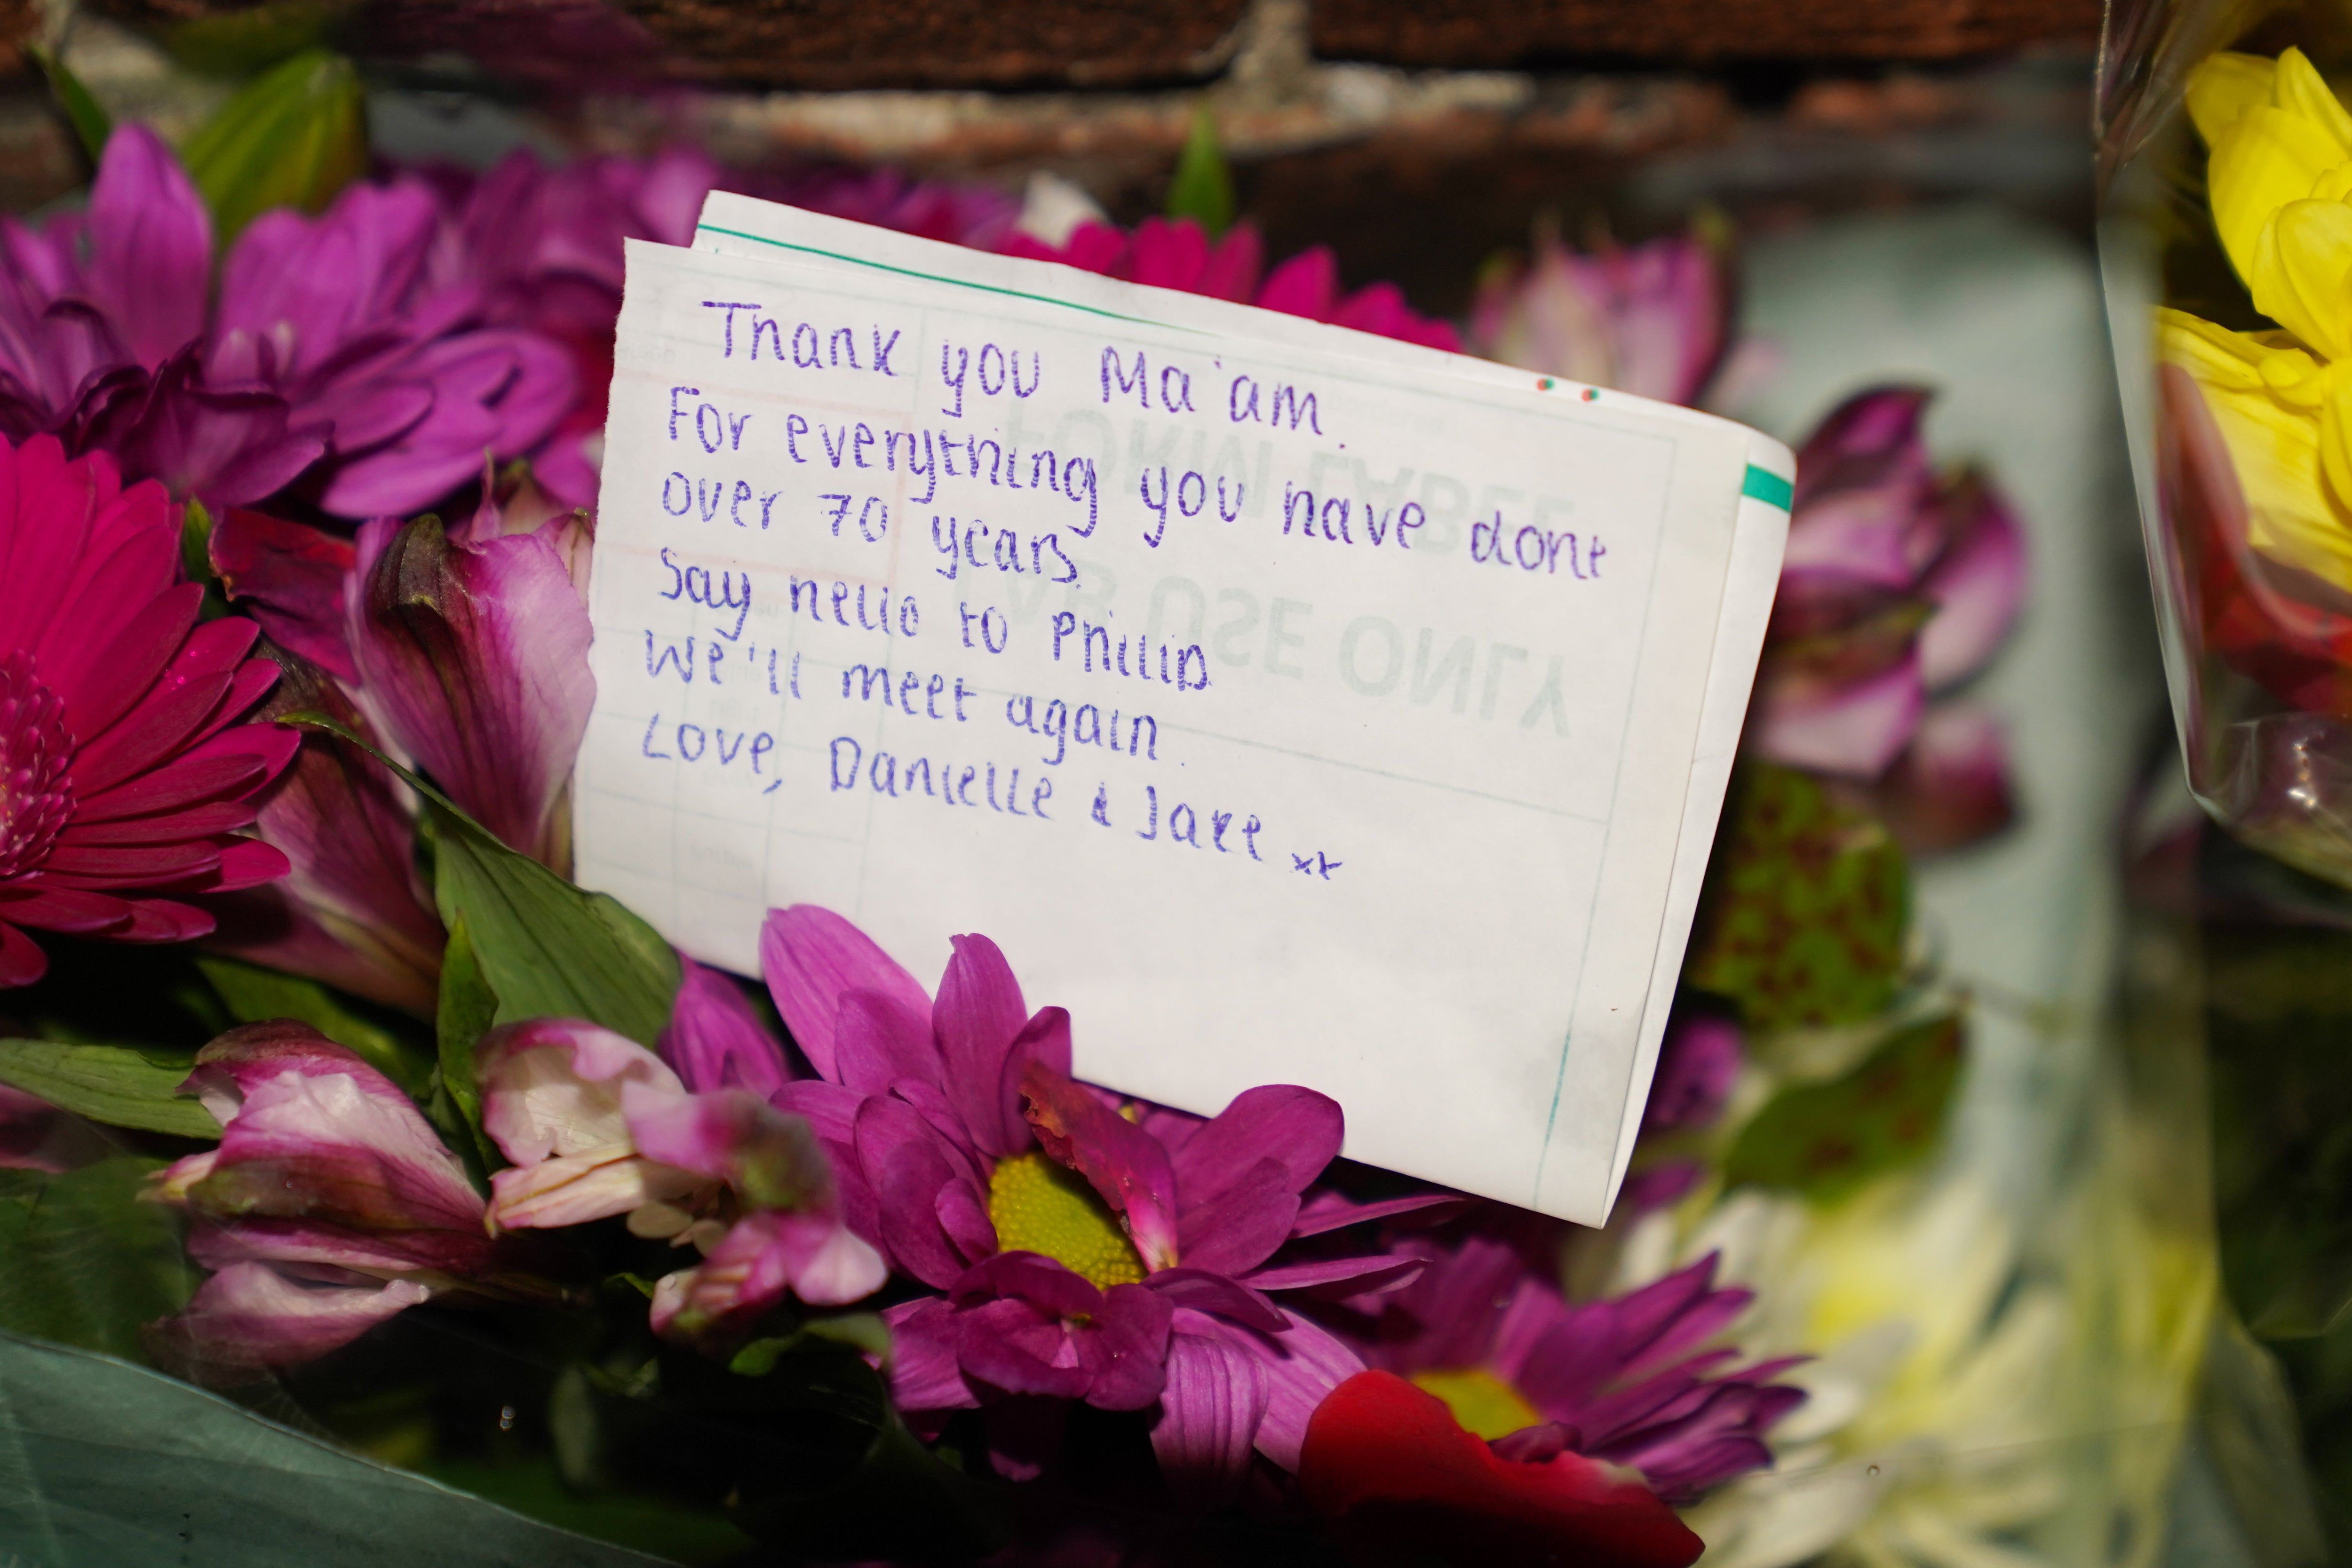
x=1290 y=704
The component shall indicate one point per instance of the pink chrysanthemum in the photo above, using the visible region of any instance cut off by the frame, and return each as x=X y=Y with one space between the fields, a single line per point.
x=124 y=774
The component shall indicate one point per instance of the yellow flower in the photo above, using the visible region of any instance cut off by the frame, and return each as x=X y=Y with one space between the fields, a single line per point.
x=2287 y=418
x=2280 y=169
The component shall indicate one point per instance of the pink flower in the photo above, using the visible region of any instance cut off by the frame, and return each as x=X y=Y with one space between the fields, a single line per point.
x=1897 y=585
x=353 y=911
x=597 y=1126
x=1077 y=1254
x=328 y=1206
x=471 y=647
x=125 y=774
x=1653 y=319
x=1178 y=254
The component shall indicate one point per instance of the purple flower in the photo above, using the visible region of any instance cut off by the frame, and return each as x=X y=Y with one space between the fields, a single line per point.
x=472 y=654
x=328 y=1206
x=597 y=1126
x=1698 y=1063
x=1077 y=1254
x=715 y=1041
x=334 y=346
x=1628 y=1380
x=1651 y=319
x=1897 y=585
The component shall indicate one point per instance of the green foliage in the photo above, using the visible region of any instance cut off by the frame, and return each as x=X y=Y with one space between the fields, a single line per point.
x=111 y=1466
x=91 y=124
x=1828 y=1140
x=291 y=138
x=251 y=38
x=468 y=1007
x=1807 y=901
x=113 y=1084
x=87 y=1262
x=801 y=1448
x=1203 y=189
x=253 y=994
x=544 y=947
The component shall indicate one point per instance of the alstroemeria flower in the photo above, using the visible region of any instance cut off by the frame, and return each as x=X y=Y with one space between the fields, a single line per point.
x=1630 y=1380
x=1653 y=319
x=1178 y=254
x=472 y=655
x=353 y=911
x=597 y=1126
x=1897 y=585
x=331 y=345
x=125 y=773
x=1400 y=1481
x=328 y=1206
x=1077 y=1253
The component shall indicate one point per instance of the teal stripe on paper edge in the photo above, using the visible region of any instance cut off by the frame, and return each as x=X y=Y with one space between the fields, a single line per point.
x=1768 y=487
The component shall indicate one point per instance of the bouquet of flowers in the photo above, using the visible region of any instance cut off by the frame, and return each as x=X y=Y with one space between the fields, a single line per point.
x=325 y=1089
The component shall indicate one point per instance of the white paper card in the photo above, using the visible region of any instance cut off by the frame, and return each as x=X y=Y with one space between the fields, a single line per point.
x=1290 y=704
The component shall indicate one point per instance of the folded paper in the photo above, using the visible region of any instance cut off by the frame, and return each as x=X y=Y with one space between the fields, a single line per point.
x=1293 y=705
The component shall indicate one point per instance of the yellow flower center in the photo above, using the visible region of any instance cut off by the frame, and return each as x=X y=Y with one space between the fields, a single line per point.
x=1039 y=1204
x=1481 y=1402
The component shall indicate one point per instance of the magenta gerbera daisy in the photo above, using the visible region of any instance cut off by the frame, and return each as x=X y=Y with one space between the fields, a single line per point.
x=124 y=771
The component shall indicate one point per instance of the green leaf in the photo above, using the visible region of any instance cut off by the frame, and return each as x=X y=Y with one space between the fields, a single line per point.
x=863 y=1331
x=113 y=1084
x=113 y=1465
x=468 y=1007
x=91 y=124
x=254 y=994
x=807 y=1453
x=1806 y=904
x=1827 y=1140
x=195 y=543
x=251 y=38
x=1203 y=189
x=291 y=138
x=545 y=948
x=89 y=1263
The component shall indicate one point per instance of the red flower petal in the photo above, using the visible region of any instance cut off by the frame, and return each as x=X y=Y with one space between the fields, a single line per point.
x=1398 y=1480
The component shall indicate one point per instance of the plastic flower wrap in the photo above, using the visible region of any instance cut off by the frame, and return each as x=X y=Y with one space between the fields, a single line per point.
x=2248 y=528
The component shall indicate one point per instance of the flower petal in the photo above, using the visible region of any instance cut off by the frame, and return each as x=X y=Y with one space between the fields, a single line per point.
x=1215 y=1395
x=1298 y=1127
x=1123 y=1162
x=151 y=245
x=978 y=1016
x=1977 y=585
x=251 y=1318
x=476 y=663
x=715 y=1041
x=554 y=1086
x=812 y=958
x=1395 y=1476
